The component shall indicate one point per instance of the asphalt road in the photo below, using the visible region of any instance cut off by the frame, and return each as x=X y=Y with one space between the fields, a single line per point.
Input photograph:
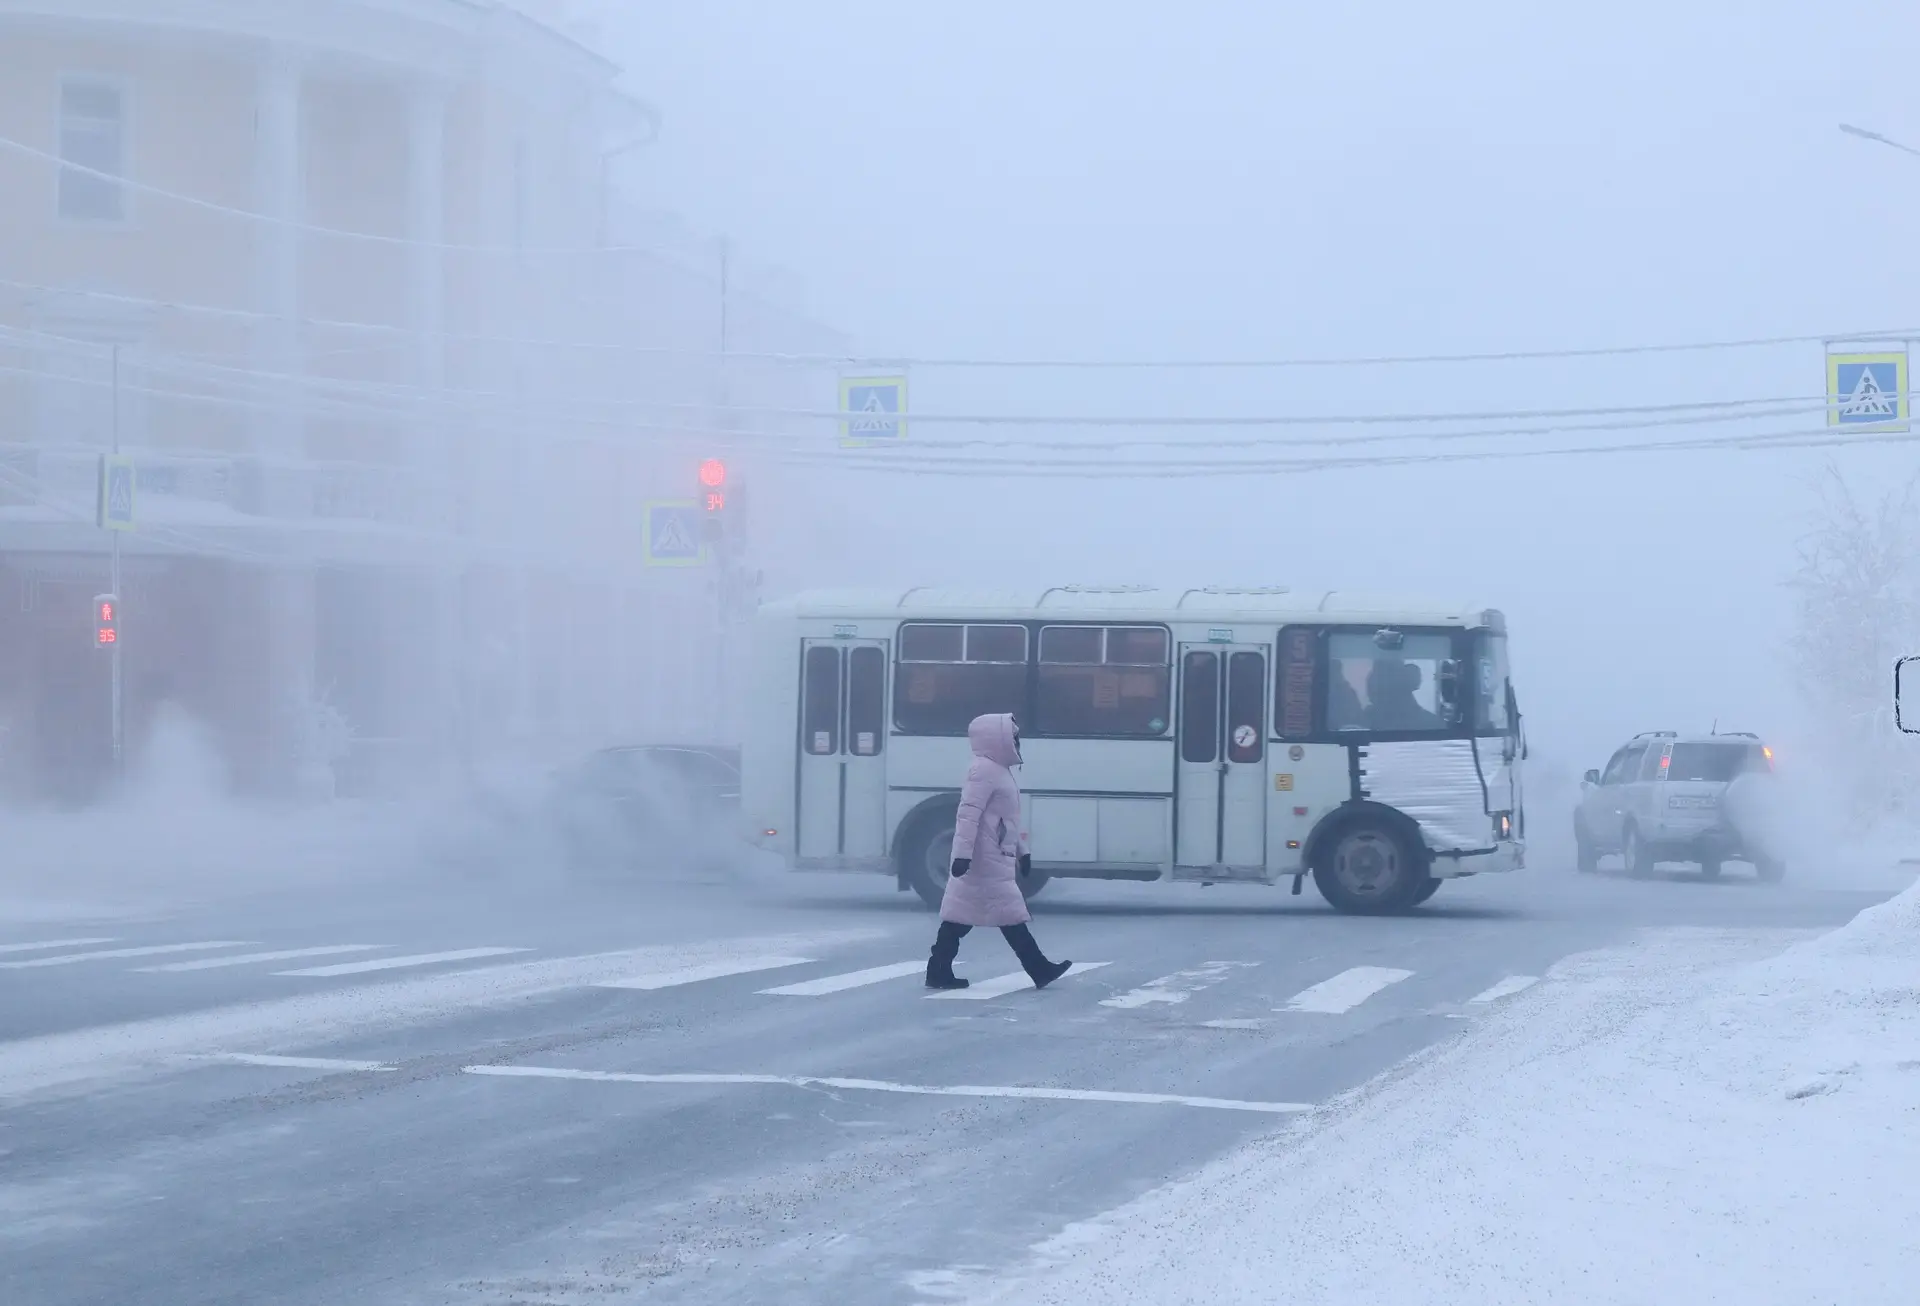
x=349 y=1097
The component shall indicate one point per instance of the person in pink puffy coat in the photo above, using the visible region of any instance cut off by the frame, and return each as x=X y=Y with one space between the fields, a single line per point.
x=989 y=852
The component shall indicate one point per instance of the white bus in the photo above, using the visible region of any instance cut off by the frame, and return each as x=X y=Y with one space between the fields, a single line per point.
x=1205 y=735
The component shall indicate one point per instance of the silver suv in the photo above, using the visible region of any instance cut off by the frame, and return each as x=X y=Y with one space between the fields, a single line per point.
x=1666 y=797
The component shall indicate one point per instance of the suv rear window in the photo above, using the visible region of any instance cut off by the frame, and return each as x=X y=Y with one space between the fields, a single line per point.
x=1713 y=762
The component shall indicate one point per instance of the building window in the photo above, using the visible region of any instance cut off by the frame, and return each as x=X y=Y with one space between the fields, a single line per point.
x=93 y=135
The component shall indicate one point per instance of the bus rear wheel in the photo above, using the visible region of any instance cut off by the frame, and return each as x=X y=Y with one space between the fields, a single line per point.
x=926 y=857
x=1368 y=869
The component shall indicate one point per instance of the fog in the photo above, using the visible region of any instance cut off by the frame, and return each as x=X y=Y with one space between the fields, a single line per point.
x=1123 y=181
x=1106 y=184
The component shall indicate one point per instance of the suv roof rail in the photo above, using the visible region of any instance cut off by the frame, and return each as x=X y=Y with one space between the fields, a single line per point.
x=1658 y=734
x=1739 y=734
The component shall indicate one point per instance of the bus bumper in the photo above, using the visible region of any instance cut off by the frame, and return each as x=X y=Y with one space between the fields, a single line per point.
x=1507 y=855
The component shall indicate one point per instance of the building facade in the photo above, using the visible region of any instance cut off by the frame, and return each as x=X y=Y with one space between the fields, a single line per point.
x=340 y=276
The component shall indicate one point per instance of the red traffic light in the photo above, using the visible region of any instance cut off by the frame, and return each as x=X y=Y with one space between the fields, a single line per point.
x=713 y=473
x=106 y=610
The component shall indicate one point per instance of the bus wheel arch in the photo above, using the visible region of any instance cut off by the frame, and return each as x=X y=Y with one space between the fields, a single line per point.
x=1358 y=844
x=923 y=848
x=926 y=832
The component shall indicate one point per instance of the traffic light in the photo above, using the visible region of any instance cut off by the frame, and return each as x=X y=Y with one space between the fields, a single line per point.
x=106 y=620
x=713 y=499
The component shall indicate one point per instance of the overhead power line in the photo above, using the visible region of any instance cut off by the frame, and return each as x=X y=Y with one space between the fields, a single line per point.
x=909 y=362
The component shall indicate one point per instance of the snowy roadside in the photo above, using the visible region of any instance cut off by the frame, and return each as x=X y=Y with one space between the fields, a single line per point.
x=1687 y=1119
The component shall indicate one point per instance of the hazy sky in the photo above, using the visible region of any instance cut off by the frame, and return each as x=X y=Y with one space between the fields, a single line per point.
x=1273 y=180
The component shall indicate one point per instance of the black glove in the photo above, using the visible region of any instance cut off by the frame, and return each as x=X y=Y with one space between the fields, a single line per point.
x=1026 y=865
x=961 y=865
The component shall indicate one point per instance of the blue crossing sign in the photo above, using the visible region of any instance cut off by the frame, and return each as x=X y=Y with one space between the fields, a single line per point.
x=116 y=492
x=673 y=537
x=1867 y=390
x=874 y=410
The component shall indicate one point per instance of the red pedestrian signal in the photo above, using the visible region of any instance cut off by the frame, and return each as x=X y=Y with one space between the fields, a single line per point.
x=106 y=620
x=713 y=473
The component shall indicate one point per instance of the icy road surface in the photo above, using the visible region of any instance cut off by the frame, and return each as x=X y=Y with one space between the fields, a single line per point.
x=722 y=1092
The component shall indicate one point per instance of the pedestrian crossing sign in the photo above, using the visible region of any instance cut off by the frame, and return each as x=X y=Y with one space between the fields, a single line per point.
x=1867 y=391
x=874 y=410
x=672 y=531
x=116 y=492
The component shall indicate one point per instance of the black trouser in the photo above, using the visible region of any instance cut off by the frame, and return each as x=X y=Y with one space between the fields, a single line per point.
x=946 y=946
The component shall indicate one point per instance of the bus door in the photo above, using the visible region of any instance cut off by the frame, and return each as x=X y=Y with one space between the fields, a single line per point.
x=1220 y=786
x=843 y=740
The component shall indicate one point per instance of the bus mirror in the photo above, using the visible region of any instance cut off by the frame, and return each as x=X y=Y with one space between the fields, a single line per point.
x=1447 y=683
x=1906 y=673
x=1389 y=639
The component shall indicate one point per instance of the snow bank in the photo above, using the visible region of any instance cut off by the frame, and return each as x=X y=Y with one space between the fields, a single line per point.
x=1697 y=1118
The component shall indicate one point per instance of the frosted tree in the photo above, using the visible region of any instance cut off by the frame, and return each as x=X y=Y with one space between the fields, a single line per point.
x=1857 y=608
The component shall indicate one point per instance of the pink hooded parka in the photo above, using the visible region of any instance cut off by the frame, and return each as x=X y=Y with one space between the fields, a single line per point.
x=989 y=831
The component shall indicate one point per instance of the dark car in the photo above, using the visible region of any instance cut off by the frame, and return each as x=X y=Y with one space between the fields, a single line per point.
x=649 y=805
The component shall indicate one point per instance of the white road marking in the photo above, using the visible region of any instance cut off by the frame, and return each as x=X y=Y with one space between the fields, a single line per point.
x=667 y=979
x=111 y=953
x=1002 y=985
x=52 y=943
x=250 y=958
x=1177 y=987
x=1507 y=987
x=851 y=980
x=396 y=963
x=294 y=1063
x=1346 y=990
x=70 y=1062
x=1232 y=1024
x=1016 y=1091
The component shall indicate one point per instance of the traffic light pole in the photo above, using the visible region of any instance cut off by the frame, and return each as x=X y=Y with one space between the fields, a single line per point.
x=113 y=586
x=722 y=562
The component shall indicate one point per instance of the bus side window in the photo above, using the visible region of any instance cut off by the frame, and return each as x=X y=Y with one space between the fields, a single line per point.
x=1200 y=707
x=820 y=701
x=1296 y=674
x=866 y=701
x=951 y=672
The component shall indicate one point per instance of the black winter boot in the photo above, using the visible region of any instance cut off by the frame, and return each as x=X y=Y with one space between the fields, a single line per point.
x=1041 y=971
x=946 y=945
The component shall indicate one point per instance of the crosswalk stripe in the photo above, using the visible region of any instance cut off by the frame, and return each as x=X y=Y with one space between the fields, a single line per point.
x=67 y=959
x=294 y=1063
x=1507 y=987
x=1177 y=987
x=667 y=979
x=251 y=958
x=396 y=963
x=1346 y=990
x=1001 y=985
x=851 y=980
x=51 y=944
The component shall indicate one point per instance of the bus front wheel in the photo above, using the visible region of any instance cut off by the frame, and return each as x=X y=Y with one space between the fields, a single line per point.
x=1368 y=869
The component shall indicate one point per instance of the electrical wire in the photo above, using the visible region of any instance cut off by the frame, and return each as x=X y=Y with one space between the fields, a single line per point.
x=1819 y=437
x=307 y=228
x=343 y=398
x=910 y=362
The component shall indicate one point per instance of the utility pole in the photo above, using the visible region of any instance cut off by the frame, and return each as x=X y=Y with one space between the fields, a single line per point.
x=722 y=562
x=113 y=583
